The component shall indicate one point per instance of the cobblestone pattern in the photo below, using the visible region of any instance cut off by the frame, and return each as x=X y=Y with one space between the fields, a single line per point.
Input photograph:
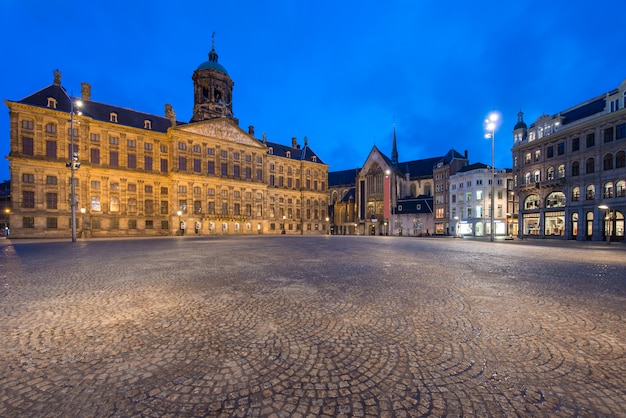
x=310 y=327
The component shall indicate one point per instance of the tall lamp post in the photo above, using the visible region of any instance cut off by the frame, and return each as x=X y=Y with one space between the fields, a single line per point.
x=73 y=165
x=490 y=126
x=608 y=222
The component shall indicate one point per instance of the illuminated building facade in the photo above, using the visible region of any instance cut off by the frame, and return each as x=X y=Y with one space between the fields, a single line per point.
x=570 y=171
x=147 y=175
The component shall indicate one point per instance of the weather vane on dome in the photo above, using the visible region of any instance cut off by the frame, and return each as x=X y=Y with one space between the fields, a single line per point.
x=213 y=40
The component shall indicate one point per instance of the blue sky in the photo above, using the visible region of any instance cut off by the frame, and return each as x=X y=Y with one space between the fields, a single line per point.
x=339 y=72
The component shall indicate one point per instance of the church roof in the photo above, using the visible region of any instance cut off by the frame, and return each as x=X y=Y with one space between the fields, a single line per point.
x=342 y=178
x=420 y=168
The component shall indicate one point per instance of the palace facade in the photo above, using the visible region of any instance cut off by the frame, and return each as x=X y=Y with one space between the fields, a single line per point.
x=139 y=174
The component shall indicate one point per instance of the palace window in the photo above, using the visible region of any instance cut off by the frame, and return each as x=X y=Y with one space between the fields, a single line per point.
x=114 y=204
x=51 y=200
x=27 y=146
x=113 y=117
x=28 y=199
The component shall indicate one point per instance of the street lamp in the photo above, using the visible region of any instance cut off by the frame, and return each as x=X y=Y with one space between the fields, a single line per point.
x=490 y=127
x=283 y=231
x=456 y=221
x=180 y=229
x=73 y=165
x=83 y=210
x=608 y=222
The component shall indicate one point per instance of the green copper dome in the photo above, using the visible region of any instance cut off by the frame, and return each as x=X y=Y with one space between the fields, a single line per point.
x=212 y=64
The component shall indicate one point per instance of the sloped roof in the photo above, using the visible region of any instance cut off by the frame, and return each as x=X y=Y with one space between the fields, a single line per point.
x=420 y=204
x=96 y=110
x=342 y=178
x=452 y=155
x=296 y=153
x=586 y=110
x=420 y=168
x=474 y=166
x=349 y=195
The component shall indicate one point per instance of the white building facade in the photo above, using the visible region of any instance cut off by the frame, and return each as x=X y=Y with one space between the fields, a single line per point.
x=470 y=202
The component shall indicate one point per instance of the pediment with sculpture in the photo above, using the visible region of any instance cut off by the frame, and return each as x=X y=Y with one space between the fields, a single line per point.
x=221 y=129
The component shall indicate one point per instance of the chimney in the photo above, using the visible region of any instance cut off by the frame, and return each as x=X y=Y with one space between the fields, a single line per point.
x=466 y=155
x=294 y=142
x=251 y=130
x=85 y=91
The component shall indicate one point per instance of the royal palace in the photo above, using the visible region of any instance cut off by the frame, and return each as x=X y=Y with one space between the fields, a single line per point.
x=138 y=174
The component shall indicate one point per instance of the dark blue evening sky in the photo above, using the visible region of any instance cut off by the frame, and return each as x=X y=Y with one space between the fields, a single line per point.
x=339 y=72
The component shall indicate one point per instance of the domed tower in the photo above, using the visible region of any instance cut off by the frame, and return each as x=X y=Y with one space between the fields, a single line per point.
x=520 y=131
x=213 y=89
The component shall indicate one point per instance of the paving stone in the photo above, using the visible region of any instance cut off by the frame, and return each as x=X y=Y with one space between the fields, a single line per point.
x=311 y=326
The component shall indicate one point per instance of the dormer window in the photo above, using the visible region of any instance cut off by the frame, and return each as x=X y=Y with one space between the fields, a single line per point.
x=113 y=117
x=288 y=154
x=270 y=150
x=52 y=103
x=314 y=158
x=147 y=124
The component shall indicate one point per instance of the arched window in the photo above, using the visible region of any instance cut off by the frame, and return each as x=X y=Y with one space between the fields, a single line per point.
x=575 y=169
x=550 y=173
x=532 y=202
x=590 y=166
x=114 y=205
x=574 y=224
x=608 y=162
x=527 y=178
x=427 y=189
x=555 y=200
x=620 y=188
x=537 y=175
x=620 y=159
x=590 y=192
x=575 y=194
x=607 y=190
x=560 y=171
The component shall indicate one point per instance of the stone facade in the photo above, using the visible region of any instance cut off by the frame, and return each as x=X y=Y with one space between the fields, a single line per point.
x=570 y=171
x=143 y=174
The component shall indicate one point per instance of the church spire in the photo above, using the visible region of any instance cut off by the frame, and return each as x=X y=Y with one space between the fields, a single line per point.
x=394 y=149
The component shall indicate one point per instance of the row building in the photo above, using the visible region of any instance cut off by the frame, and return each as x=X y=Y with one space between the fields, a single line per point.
x=569 y=171
x=139 y=174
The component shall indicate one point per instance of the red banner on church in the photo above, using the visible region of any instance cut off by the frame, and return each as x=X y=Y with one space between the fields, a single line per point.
x=387 y=198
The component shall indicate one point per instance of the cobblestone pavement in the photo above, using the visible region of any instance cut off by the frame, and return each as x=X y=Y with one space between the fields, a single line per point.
x=290 y=326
